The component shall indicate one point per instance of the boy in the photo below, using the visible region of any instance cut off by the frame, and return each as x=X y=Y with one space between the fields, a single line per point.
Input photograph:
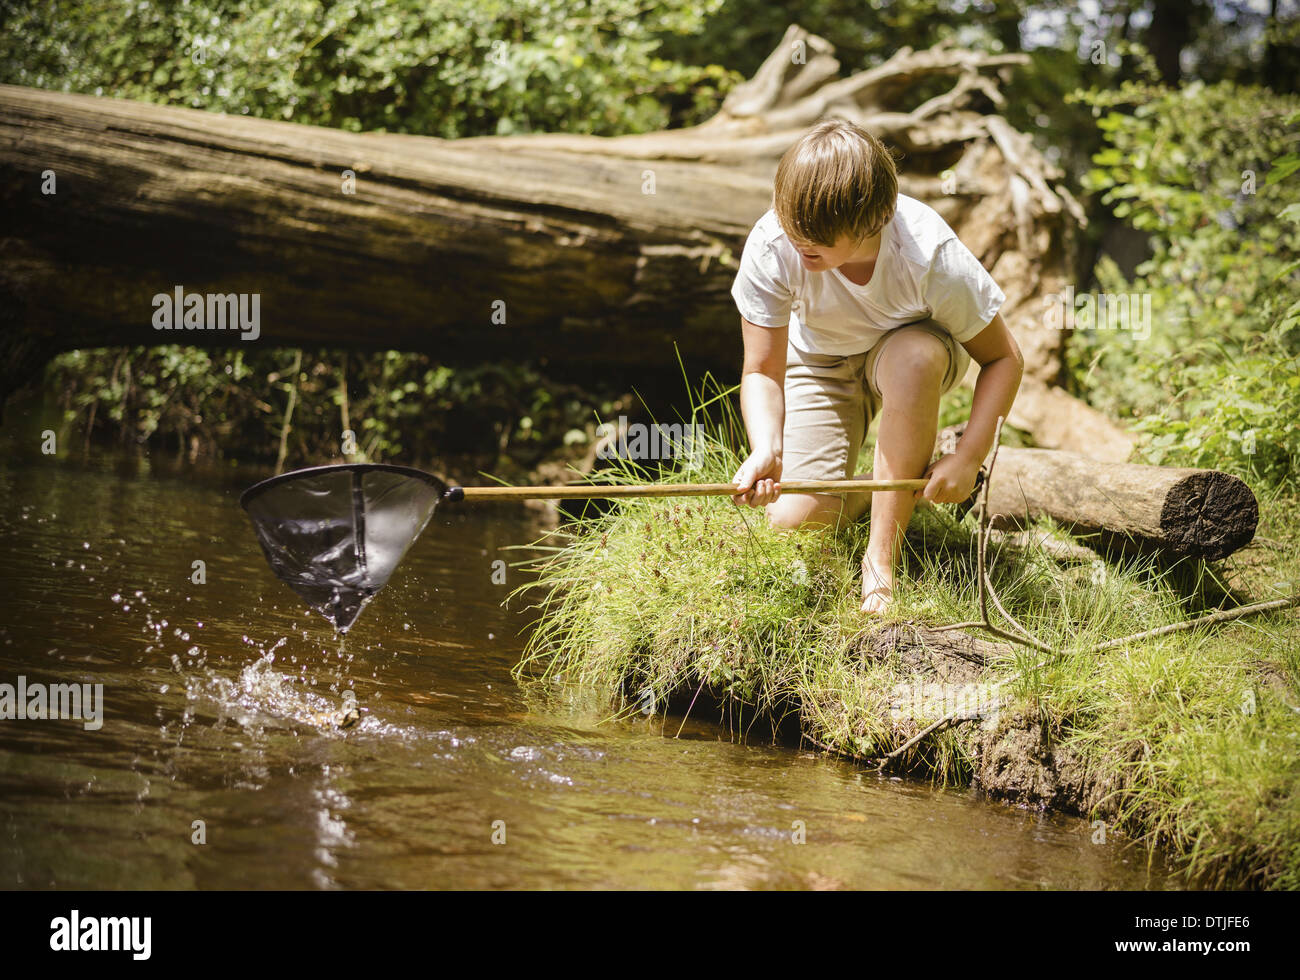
x=856 y=299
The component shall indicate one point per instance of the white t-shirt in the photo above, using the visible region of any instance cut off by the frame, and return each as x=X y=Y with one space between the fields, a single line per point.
x=923 y=270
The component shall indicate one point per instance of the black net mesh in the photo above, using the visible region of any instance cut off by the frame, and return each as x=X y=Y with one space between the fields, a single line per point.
x=334 y=534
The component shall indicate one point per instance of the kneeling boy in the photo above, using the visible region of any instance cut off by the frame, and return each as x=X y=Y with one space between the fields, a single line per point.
x=857 y=300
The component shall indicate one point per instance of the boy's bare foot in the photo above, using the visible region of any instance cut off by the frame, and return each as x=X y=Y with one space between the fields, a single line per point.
x=877 y=586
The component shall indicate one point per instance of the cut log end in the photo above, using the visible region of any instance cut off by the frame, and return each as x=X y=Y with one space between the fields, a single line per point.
x=1209 y=515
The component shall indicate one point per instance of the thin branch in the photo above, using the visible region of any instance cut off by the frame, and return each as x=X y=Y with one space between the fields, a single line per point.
x=288 y=413
x=1024 y=638
x=1222 y=616
x=690 y=706
x=951 y=718
x=985 y=585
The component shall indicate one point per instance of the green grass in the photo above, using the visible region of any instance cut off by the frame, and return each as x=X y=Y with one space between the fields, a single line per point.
x=1190 y=741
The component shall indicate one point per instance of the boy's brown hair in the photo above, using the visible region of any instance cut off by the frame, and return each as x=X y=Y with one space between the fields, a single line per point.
x=838 y=180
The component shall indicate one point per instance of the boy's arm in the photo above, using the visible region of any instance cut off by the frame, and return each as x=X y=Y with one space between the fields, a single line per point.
x=994 y=349
x=762 y=404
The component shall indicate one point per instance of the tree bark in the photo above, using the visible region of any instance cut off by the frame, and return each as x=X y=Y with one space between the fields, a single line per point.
x=583 y=253
x=1169 y=32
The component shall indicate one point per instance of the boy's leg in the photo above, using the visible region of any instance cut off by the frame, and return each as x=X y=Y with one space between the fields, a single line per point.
x=911 y=370
x=808 y=510
x=825 y=406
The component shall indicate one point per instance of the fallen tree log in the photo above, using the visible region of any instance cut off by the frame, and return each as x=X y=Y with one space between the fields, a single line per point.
x=988 y=181
x=1125 y=507
x=582 y=253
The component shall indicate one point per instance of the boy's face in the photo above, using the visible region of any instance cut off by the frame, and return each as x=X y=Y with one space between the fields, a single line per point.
x=823 y=258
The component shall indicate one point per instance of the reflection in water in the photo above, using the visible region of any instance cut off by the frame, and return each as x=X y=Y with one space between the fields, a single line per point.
x=223 y=704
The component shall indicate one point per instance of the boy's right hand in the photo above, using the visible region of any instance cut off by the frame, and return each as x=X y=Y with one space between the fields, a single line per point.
x=758 y=481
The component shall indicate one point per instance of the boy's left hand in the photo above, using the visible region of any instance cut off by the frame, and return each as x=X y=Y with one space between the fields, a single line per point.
x=952 y=479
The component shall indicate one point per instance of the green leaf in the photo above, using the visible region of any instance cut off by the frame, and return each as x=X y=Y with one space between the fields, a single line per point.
x=1283 y=167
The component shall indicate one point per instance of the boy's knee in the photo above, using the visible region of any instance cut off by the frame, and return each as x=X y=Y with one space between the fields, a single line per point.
x=797 y=510
x=916 y=360
x=785 y=512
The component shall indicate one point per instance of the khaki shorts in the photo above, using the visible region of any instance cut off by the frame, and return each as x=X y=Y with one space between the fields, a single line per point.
x=831 y=399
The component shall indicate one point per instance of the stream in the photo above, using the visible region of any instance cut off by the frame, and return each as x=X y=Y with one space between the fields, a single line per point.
x=217 y=708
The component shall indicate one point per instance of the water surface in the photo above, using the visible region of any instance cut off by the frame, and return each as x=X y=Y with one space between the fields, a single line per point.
x=218 y=700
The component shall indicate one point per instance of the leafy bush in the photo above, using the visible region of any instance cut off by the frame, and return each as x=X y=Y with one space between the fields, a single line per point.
x=455 y=68
x=224 y=403
x=1217 y=383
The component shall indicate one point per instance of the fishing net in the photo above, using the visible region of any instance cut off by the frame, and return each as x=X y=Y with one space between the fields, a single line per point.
x=334 y=534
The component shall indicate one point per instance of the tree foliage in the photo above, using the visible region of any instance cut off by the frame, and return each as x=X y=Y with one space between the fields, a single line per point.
x=1186 y=100
x=1207 y=172
x=453 y=68
x=502 y=418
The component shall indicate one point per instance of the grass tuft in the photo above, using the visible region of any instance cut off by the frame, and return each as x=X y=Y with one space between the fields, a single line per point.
x=1189 y=742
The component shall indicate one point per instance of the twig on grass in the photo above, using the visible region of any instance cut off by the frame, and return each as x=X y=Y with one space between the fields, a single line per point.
x=986 y=592
x=1222 y=616
x=1023 y=637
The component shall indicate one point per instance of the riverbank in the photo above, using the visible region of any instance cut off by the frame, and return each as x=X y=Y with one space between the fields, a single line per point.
x=1189 y=742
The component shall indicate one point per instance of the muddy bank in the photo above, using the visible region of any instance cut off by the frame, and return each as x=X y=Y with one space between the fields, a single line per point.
x=1011 y=755
x=1014 y=755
